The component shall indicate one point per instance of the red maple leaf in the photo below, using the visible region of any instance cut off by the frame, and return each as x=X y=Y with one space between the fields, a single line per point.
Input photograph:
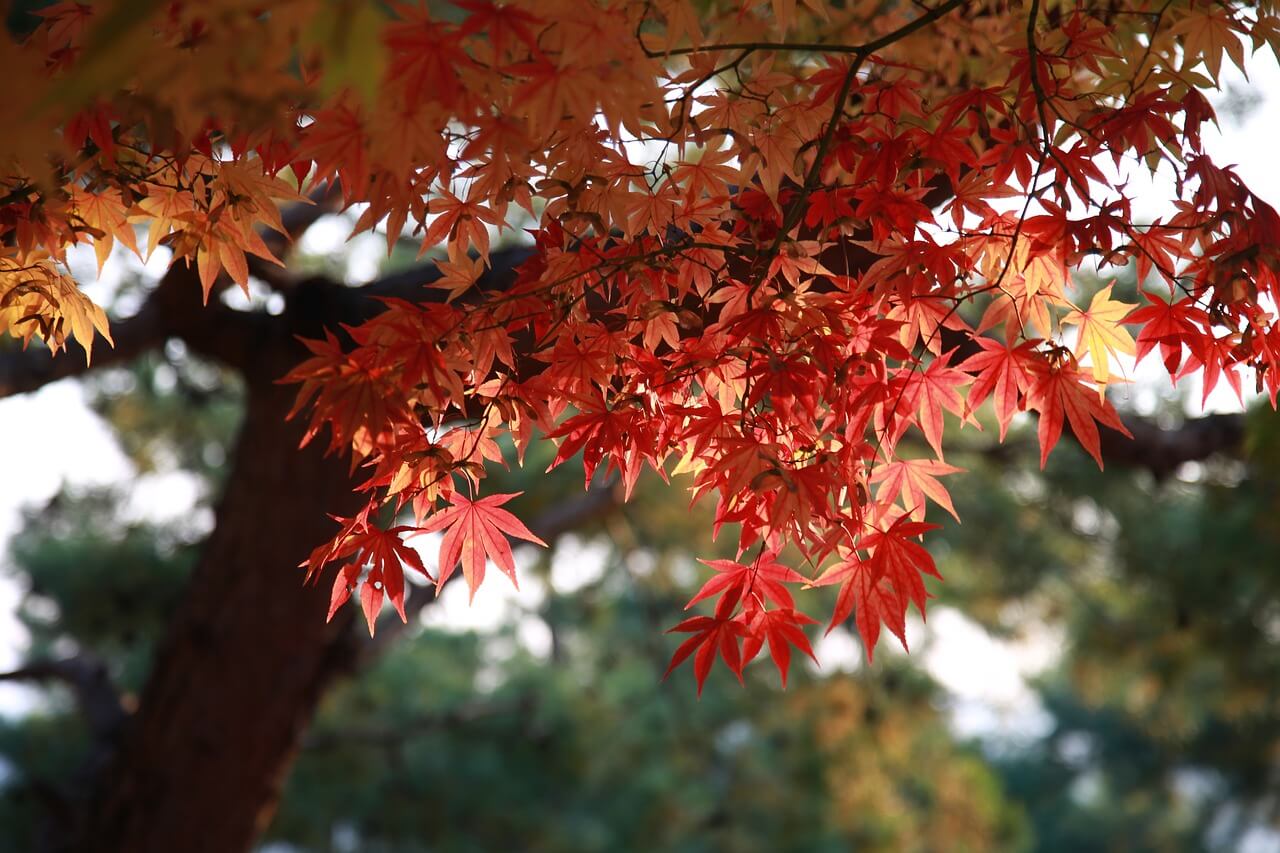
x=871 y=599
x=385 y=553
x=1059 y=393
x=1217 y=355
x=709 y=634
x=1171 y=326
x=615 y=433
x=1004 y=370
x=912 y=481
x=782 y=628
x=476 y=531
x=735 y=581
x=879 y=588
x=896 y=555
x=933 y=390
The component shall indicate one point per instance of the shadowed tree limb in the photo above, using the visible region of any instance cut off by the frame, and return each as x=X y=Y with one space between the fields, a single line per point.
x=1161 y=450
x=90 y=683
x=1154 y=448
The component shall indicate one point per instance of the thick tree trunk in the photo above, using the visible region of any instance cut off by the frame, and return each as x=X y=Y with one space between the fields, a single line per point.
x=245 y=662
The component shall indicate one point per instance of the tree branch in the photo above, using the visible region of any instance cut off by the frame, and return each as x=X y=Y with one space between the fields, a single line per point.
x=173 y=309
x=864 y=49
x=26 y=370
x=1161 y=451
x=88 y=679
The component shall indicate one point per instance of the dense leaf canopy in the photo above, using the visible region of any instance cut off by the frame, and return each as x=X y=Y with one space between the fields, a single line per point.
x=784 y=250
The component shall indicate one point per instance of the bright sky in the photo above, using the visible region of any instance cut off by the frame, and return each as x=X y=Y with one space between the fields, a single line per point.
x=54 y=438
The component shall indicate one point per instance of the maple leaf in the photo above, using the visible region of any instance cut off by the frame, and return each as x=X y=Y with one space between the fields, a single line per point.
x=1058 y=394
x=462 y=222
x=709 y=175
x=1100 y=333
x=933 y=391
x=617 y=433
x=344 y=583
x=39 y=300
x=1207 y=35
x=911 y=481
x=735 y=581
x=879 y=588
x=335 y=141
x=106 y=215
x=897 y=556
x=458 y=276
x=384 y=552
x=1155 y=246
x=1002 y=370
x=871 y=599
x=1172 y=326
x=710 y=634
x=371 y=593
x=476 y=531
x=826 y=208
x=782 y=628
x=1217 y=355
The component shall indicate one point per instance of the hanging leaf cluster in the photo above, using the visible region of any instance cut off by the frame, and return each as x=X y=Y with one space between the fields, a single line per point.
x=781 y=253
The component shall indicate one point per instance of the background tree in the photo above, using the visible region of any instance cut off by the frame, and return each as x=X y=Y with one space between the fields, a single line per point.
x=755 y=231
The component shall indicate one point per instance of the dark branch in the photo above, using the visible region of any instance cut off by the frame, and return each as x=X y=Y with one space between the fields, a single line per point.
x=319 y=304
x=865 y=49
x=174 y=309
x=1161 y=451
x=22 y=371
x=88 y=679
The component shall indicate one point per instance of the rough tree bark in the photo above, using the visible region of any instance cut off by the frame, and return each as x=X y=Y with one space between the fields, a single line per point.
x=245 y=661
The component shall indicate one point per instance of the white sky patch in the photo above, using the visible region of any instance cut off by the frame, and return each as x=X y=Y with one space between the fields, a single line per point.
x=838 y=651
x=576 y=563
x=987 y=676
x=52 y=438
x=326 y=235
x=168 y=496
x=497 y=606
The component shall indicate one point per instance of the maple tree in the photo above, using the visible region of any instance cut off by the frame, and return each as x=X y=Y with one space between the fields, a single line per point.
x=771 y=243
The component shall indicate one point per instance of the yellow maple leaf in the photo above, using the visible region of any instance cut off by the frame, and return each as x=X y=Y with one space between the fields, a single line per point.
x=39 y=300
x=1100 y=332
x=458 y=275
x=1207 y=35
x=104 y=215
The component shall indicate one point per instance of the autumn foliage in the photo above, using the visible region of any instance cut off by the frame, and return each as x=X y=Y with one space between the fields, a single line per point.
x=781 y=253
